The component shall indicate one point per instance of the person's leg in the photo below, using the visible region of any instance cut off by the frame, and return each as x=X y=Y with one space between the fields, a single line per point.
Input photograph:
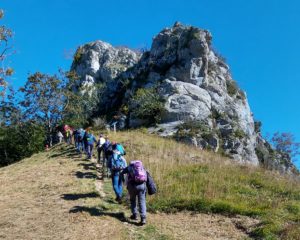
x=132 y=195
x=120 y=187
x=142 y=202
x=101 y=152
x=81 y=146
x=116 y=185
x=89 y=151
x=99 y=155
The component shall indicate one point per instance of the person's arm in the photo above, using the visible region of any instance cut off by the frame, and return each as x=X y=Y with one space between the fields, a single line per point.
x=124 y=160
x=124 y=171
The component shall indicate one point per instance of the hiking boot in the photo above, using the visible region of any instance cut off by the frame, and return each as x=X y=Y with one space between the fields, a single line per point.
x=119 y=199
x=134 y=217
x=143 y=221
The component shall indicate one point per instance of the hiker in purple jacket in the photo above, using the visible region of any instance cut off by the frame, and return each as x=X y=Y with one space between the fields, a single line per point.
x=136 y=186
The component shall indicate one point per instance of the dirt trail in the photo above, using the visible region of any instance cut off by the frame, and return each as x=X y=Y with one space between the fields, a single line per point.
x=59 y=195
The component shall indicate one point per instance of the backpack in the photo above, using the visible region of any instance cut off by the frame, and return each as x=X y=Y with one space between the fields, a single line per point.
x=151 y=186
x=137 y=172
x=81 y=135
x=121 y=149
x=117 y=162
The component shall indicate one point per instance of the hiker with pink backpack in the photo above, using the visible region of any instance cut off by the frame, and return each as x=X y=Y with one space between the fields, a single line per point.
x=138 y=180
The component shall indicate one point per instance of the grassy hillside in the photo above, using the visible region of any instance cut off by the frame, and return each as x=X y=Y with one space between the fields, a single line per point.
x=60 y=195
x=191 y=179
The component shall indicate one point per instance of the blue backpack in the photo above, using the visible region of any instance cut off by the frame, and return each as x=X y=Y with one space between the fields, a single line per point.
x=81 y=133
x=117 y=162
x=121 y=149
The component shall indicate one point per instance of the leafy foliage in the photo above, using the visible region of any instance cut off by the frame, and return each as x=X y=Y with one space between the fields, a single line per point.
x=10 y=111
x=20 y=141
x=285 y=143
x=81 y=102
x=146 y=104
x=257 y=126
x=232 y=87
x=5 y=50
x=78 y=55
x=44 y=101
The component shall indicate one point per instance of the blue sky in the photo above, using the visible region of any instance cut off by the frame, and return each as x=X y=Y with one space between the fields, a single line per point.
x=259 y=38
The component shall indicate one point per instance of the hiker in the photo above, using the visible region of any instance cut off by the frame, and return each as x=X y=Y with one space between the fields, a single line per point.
x=100 y=148
x=75 y=136
x=80 y=141
x=118 y=147
x=89 y=140
x=118 y=163
x=60 y=136
x=136 y=186
x=108 y=150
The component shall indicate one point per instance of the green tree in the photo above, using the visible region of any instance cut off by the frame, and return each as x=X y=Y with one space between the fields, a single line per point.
x=81 y=102
x=20 y=141
x=285 y=143
x=44 y=101
x=10 y=112
x=5 y=51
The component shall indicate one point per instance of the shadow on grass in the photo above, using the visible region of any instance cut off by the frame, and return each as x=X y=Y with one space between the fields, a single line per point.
x=88 y=166
x=67 y=153
x=73 y=197
x=86 y=175
x=98 y=212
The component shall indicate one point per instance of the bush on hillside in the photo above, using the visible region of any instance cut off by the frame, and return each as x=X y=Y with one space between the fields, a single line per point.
x=146 y=104
x=232 y=87
x=78 y=55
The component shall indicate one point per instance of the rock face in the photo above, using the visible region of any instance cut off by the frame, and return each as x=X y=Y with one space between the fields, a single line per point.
x=201 y=103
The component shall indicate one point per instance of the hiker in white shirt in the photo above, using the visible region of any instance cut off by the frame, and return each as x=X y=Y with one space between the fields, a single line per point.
x=100 y=148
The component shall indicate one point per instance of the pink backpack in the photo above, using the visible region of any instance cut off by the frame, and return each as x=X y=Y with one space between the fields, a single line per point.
x=137 y=172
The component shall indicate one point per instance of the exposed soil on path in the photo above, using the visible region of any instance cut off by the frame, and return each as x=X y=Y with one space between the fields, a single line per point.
x=59 y=195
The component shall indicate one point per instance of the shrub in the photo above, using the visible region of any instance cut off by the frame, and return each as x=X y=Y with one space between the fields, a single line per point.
x=18 y=142
x=147 y=105
x=239 y=133
x=215 y=114
x=99 y=123
x=232 y=87
x=257 y=126
x=241 y=95
x=78 y=55
x=191 y=128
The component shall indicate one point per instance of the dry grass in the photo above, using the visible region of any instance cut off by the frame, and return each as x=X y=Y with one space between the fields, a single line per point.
x=41 y=198
x=201 y=181
x=56 y=195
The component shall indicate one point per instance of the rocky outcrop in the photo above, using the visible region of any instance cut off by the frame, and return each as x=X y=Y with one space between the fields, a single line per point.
x=201 y=103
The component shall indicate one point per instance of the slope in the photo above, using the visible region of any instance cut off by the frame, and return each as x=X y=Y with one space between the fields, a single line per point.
x=59 y=195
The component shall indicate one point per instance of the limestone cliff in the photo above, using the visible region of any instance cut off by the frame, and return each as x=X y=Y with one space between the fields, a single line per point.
x=197 y=100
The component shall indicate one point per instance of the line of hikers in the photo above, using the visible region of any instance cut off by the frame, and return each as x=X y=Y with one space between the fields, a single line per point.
x=137 y=179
